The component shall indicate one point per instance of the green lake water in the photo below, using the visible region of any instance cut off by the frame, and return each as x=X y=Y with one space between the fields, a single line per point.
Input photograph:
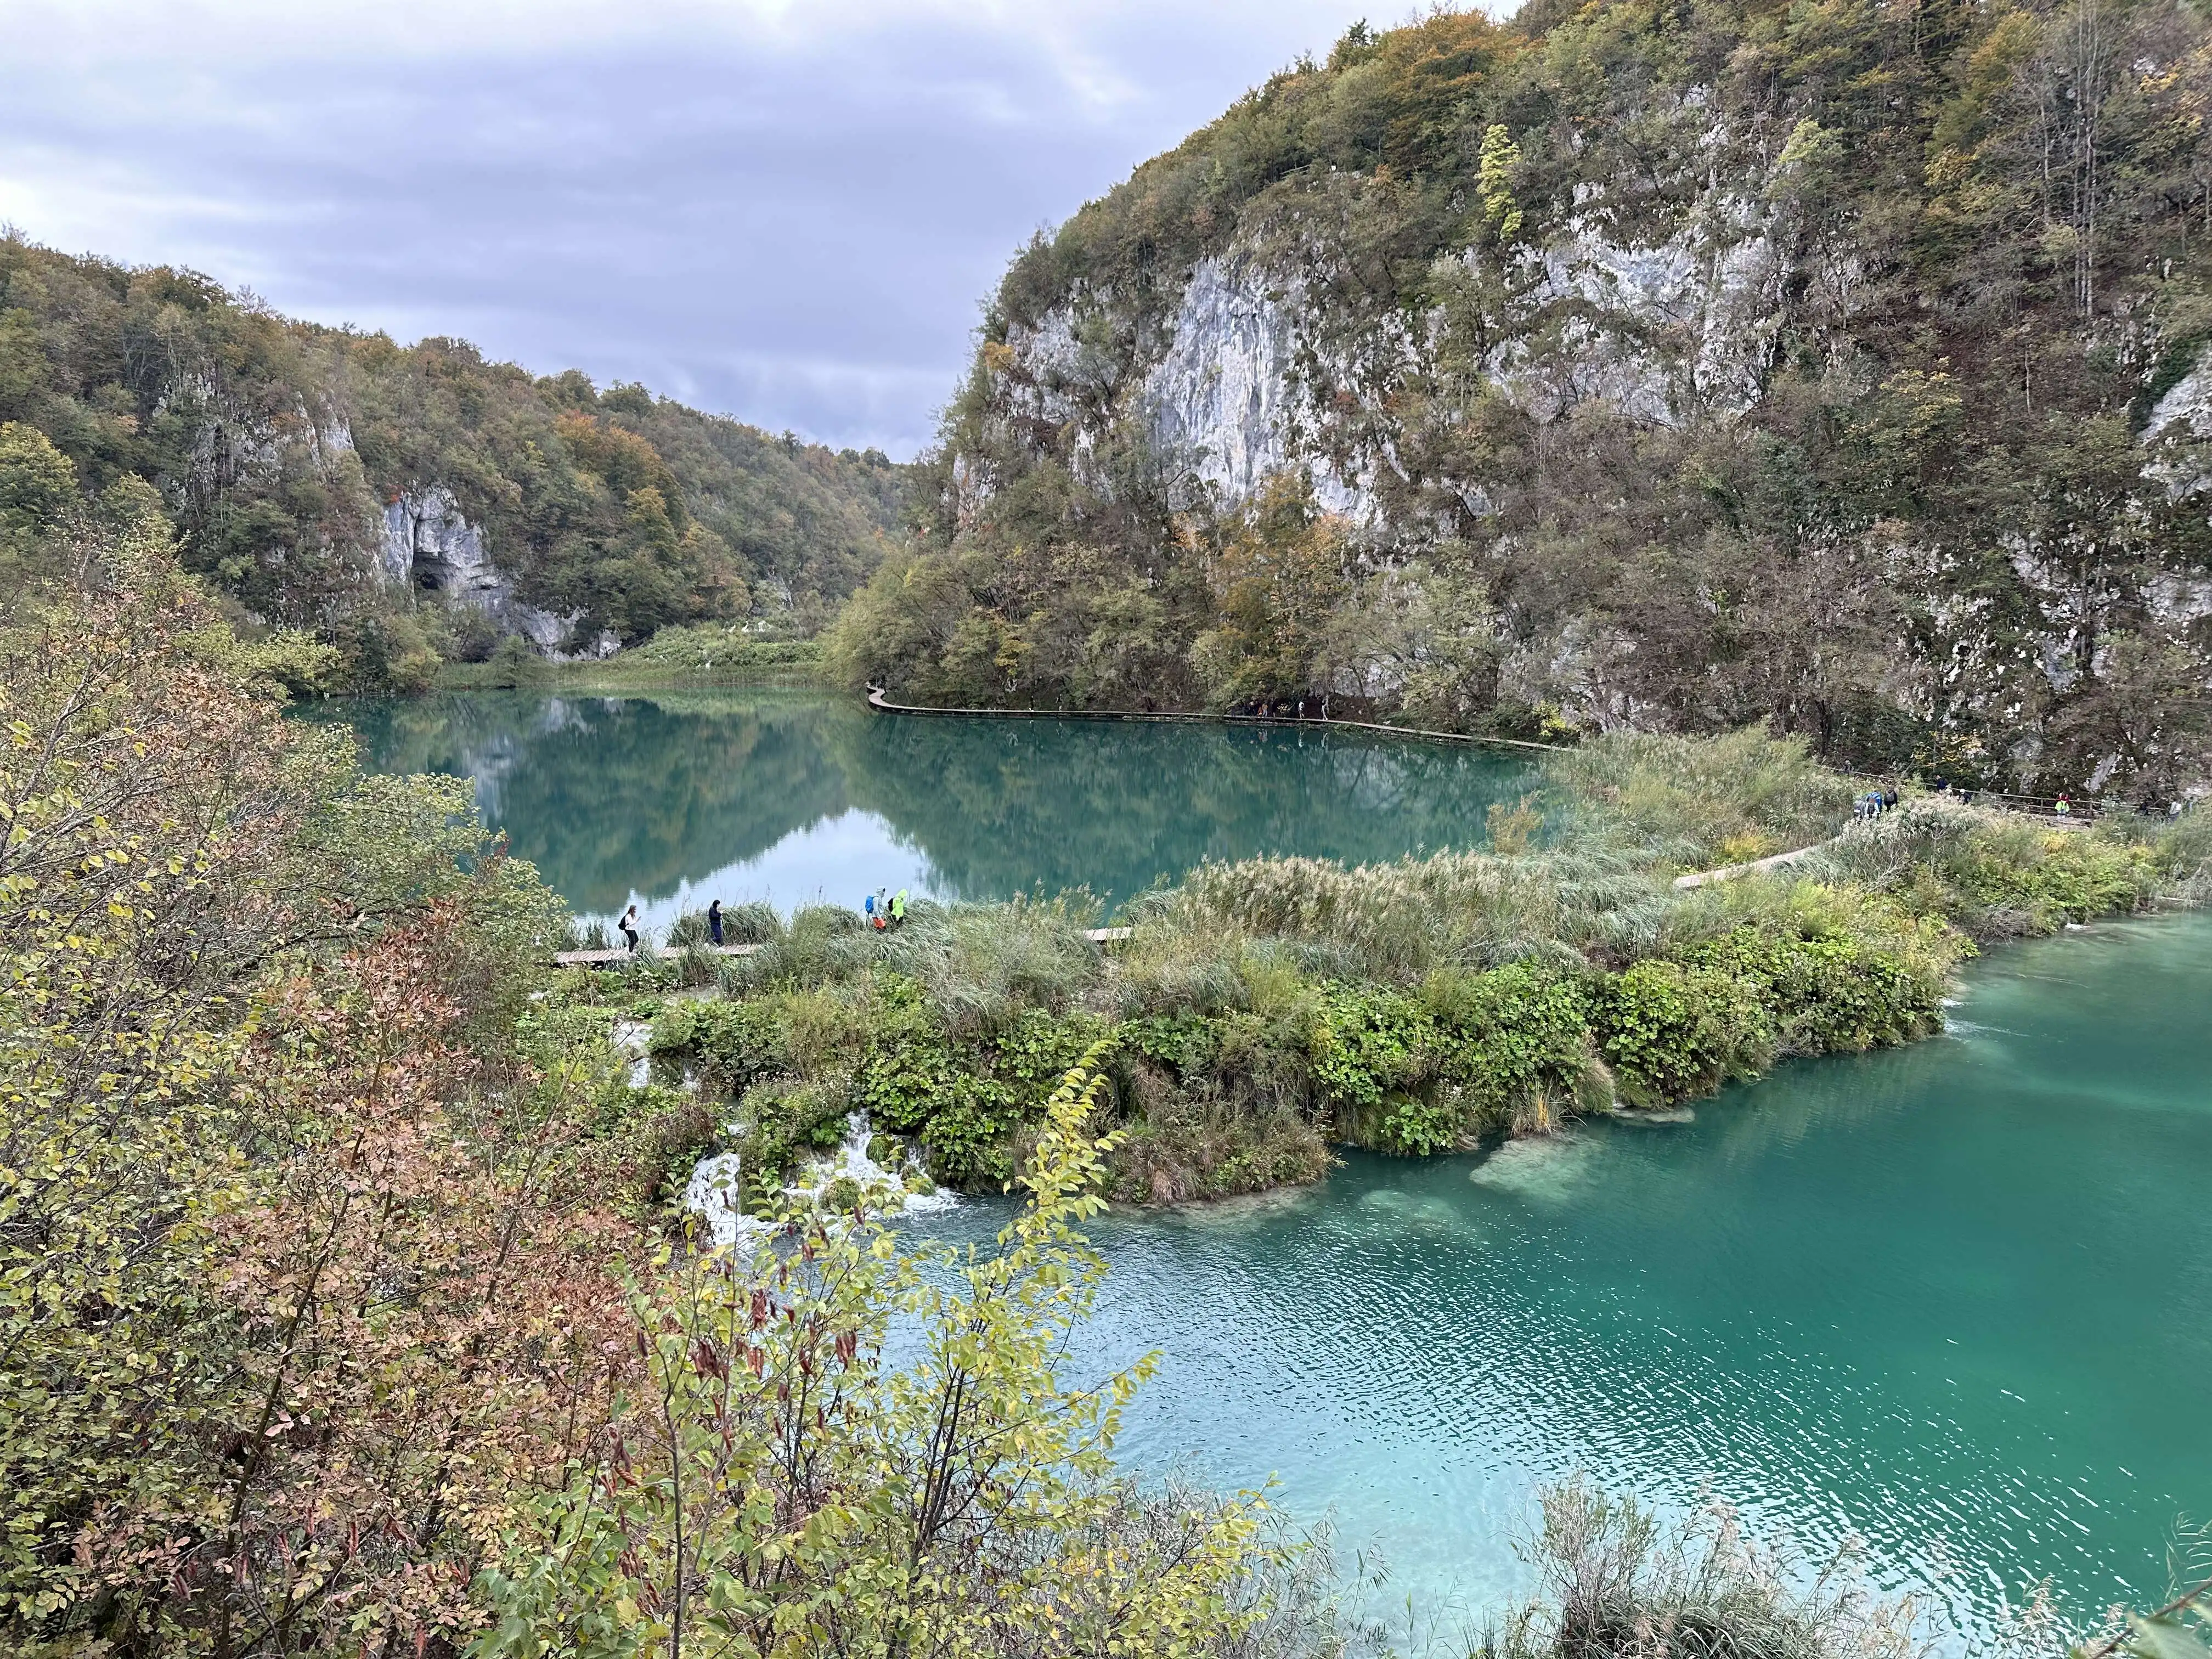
x=796 y=798
x=1950 y=1299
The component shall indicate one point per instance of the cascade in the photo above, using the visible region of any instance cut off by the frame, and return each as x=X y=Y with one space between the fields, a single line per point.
x=715 y=1195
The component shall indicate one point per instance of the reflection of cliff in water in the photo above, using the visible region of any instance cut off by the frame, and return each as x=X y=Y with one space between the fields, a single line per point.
x=607 y=796
x=1003 y=806
x=614 y=796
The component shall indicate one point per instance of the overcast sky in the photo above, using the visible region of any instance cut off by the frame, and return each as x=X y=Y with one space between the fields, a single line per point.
x=790 y=212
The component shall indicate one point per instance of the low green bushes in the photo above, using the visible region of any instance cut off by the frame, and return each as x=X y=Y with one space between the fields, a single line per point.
x=733 y=1044
x=1268 y=1008
x=1672 y=1032
x=1522 y=1041
x=2001 y=877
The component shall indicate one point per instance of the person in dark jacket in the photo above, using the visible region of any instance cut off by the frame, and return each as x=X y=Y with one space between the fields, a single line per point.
x=714 y=921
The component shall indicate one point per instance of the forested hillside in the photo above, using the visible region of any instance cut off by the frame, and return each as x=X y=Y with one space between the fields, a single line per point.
x=407 y=502
x=1834 y=365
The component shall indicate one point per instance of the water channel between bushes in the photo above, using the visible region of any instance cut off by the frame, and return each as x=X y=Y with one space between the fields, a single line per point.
x=1948 y=1298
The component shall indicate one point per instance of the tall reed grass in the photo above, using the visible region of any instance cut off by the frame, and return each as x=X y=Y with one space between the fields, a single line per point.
x=1698 y=802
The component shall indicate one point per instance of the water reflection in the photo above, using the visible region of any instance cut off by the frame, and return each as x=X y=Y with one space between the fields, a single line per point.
x=796 y=798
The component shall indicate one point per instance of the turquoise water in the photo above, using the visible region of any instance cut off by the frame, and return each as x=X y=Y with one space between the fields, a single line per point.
x=672 y=800
x=1950 y=1299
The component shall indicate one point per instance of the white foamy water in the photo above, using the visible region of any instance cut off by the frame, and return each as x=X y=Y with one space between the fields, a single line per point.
x=630 y=1036
x=716 y=1195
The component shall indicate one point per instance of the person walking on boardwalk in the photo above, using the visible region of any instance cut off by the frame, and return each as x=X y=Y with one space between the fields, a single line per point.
x=629 y=926
x=714 y=922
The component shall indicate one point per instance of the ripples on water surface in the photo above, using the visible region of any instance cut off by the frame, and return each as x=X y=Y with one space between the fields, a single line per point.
x=1949 y=1297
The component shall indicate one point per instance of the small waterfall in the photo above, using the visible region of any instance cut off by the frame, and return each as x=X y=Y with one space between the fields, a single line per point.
x=718 y=1199
x=630 y=1036
x=716 y=1196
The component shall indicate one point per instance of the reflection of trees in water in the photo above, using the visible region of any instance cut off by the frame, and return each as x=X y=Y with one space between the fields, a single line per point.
x=1003 y=805
x=608 y=795
x=605 y=795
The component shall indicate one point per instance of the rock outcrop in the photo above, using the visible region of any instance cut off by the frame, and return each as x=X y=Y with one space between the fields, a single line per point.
x=428 y=543
x=1725 y=392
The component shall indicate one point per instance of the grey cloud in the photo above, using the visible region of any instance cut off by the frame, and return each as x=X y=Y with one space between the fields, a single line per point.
x=798 y=233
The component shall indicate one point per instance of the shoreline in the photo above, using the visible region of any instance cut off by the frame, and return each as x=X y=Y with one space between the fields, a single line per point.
x=882 y=705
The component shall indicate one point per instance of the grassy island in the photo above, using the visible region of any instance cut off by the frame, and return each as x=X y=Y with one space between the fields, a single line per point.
x=675 y=658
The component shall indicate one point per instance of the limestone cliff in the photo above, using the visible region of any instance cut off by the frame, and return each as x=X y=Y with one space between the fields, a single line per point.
x=1740 y=362
x=395 y=498
x=428 y=544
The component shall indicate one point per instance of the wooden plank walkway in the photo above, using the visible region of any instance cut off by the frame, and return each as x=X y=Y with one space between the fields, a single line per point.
x=1730 y=871
x=878 y=701
x=618 y=959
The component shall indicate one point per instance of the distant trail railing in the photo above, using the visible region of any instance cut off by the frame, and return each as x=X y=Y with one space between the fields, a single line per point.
x=878 y=701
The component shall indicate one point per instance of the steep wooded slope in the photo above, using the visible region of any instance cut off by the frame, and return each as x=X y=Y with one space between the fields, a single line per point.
x=333 y=480
x=1833 y=364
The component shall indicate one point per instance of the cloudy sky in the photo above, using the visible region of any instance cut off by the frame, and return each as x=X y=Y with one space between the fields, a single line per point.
x=788 y=210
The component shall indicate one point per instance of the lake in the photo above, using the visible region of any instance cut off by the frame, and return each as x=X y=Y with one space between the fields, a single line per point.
x=1949 y=1298
x=797 y=798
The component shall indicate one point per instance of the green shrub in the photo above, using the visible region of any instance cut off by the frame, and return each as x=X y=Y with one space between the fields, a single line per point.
x=1040 y=1048
x=907 y=1068
x=1511 y=1036
x=1673 y=1033
x=1184 y=1042
x=1823 y=995
x=959 y=1100
x=734 y=1044
x=1367 y=1042
x=967 y=1135
x=1412 y=1126
x=2055 y=877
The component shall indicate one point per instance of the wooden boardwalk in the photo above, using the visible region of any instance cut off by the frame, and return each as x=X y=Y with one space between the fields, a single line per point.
x=878 y=702
x=620 y=958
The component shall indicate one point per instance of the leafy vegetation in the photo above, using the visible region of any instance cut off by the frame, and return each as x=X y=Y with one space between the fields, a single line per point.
x=340 y=1303
x=699 y=655
x=777 y=1487
x=276 y=447
x=1267 y=1008
x=345 y=1302
x=1563 y=413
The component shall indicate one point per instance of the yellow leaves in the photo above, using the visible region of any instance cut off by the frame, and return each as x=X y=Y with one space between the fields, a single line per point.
x=1500 y=158
x=1809 y=143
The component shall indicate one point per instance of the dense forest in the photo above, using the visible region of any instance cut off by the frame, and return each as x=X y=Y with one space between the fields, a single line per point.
x=1832 y=365
x=408 y=503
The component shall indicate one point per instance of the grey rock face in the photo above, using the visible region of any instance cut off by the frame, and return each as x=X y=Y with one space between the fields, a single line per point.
x=1262 y=362
x=1223 y=396
x=427 y=543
